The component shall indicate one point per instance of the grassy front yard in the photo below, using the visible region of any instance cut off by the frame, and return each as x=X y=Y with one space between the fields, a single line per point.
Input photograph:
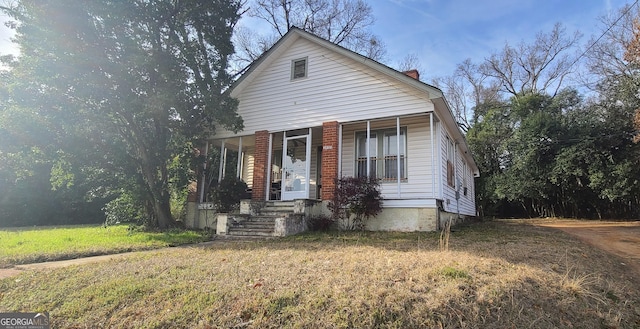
x=27 y=245
x=496 y=275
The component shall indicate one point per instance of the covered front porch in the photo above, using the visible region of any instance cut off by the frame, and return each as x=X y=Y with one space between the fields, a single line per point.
x=278 y=166
x=303 y=164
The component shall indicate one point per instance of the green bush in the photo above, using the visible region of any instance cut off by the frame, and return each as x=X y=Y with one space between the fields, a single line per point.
x=227 y=195
x=123 y=210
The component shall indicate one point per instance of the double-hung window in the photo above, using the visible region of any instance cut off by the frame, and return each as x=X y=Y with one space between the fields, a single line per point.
x=299 y=68
x=392 y=155
x=451 y=175
x=383 y=154
x=362 y=156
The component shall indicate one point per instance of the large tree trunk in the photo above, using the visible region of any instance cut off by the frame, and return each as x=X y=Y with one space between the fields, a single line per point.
x=155 y=176
x=162 y=212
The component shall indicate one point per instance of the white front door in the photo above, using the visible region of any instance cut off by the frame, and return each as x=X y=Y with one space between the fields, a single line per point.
x=296 y=160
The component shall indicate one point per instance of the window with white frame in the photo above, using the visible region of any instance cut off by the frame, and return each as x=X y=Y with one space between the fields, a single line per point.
x=451 y=175
x=383 y=154
x=299 y=68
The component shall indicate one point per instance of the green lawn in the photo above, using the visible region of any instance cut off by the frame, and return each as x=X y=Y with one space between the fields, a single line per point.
x=28 y=245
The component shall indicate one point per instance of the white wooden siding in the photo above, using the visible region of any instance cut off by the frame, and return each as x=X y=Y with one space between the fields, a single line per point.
x=465 y=204
x=336 y=89
x=341 y=88
x=419 y=165
x=247 y=167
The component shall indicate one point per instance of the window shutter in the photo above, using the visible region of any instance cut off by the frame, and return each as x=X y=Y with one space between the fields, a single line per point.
x=450 y=174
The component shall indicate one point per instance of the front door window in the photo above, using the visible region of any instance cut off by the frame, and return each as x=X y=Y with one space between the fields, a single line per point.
x=295 y=167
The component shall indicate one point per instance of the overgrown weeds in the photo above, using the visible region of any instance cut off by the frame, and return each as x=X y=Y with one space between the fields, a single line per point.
x=445 y=234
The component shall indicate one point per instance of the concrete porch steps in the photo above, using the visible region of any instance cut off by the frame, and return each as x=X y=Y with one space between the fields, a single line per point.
x=277 y=207
x=263 y=223
x=254 y=226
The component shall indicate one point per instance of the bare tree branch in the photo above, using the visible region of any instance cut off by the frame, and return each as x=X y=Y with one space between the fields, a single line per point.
x=536 y=67
x=343 y=22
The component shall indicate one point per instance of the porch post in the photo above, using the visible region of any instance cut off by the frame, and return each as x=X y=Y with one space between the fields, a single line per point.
x=433 y=156
x=398 y=155
x=339 y=150
x=260 y=165
x=204 y=173
x=368 y=148
x=224 y=167
x=439 y=140
x=221 y=168
x=330 y=154
x=239 y=166
x=307 y=186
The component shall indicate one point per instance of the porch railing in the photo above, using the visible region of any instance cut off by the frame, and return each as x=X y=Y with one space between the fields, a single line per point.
x=384 y=168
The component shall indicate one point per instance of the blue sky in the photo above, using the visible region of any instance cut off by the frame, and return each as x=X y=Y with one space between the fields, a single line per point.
x=443 y=33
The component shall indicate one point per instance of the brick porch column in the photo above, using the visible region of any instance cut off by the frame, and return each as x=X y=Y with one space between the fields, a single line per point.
x=329 y=158
x=260 y=165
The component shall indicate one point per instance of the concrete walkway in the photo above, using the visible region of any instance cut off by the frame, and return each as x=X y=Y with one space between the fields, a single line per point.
x=17 y=269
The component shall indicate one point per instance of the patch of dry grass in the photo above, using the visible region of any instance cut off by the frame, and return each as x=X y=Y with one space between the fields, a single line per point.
x=495 y=275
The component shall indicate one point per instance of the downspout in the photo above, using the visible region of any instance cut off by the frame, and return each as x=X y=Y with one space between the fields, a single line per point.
x=240 y=157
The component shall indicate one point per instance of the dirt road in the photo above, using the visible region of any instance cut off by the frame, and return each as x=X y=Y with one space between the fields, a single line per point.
x=618 y=238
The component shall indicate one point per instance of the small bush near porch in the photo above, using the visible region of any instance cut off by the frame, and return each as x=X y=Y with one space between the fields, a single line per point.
x=355 y=200
x=496 y=275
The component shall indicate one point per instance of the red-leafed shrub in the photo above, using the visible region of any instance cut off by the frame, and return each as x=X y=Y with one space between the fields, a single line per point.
x=355 y=200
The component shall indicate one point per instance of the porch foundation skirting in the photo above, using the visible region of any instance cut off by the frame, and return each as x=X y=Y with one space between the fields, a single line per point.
x=405 y=220
x=296 y=219
x=200 y=217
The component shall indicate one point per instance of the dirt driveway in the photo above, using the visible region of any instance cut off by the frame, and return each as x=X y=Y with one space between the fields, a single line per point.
x=618 y=238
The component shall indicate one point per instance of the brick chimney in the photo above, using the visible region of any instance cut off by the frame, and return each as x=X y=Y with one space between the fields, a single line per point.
x=413 y=73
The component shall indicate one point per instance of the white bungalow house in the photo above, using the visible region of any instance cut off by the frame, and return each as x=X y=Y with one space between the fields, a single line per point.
x=314 y=111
